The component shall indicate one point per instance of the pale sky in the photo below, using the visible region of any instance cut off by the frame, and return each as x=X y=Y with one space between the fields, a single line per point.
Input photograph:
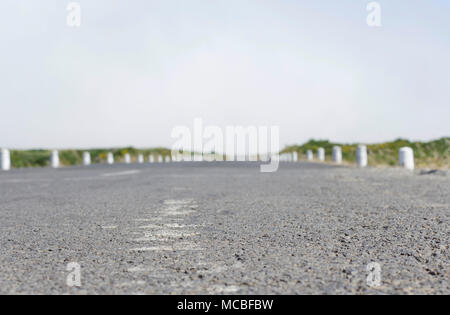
x=136 y=69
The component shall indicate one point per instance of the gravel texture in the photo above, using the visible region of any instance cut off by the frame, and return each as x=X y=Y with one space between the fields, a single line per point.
x=224 y=228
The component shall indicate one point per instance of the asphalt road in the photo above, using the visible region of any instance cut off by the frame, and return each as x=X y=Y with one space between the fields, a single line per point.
x=223 y=228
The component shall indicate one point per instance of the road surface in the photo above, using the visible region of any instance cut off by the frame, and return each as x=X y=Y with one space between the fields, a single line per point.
x=223 y=228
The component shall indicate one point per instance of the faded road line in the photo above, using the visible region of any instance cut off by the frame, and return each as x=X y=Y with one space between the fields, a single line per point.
x=125 y=173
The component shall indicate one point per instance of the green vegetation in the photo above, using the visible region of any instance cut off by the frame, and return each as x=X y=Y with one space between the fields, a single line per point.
x=433 y=154
x=41 y=158
x=30 y=158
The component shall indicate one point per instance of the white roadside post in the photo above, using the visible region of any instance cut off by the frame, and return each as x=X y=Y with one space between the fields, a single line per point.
x=264 y=157
x=336 y=155
x=167 y=159
x=151 y=159
x=295 y=156
x=198 y=157
x=187 y=157
x=110 y=158
x=406 y=158
x=309 y=155
x=361 y=155
x=176 y=157
x=127 y=158
x=321 y=154
x=160 y=159
x=5 y=160
x=140 y=158
x=54 y=159
x=86 y=158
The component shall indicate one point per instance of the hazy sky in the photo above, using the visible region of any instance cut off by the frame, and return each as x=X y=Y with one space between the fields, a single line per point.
x=135 y=69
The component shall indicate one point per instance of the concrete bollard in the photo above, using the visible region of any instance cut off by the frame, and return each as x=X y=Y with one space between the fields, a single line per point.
x=406 y=158
x=264 y=157
x=287 y=157
x=151 y=159
x=127 y=158
x=198 y=157
x=160 y=159
x=5 y=160
x=187 y=157
x=309 y=155
x=86 y=158
x=54 y=159
x=140 y=159
x=321 y=154
x=336 y=155
x=361 y=155
x=110 y=158
x=176 y=157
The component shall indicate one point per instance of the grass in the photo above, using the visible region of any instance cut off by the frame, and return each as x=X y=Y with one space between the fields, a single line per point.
x=433 y=154
x=41 y=158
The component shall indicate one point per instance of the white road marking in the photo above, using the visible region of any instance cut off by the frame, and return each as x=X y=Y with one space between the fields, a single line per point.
x=163 y=236
x=77 y=179
x=146 y=239
x=109 y=227
x=17 y=181
x=153 y=249
x=168 y=225
x=181 y=246
x=163 y=233
x=178 y=202
x=186 y=246
x=150 y=226
x=176 y=213
x=180 y=226
x=133 y=283
x=223 y=289
x=137 y=269
x=125 y=173
x=147 y=220
x=168 y=233
x=156 y=219
x=238 y=265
